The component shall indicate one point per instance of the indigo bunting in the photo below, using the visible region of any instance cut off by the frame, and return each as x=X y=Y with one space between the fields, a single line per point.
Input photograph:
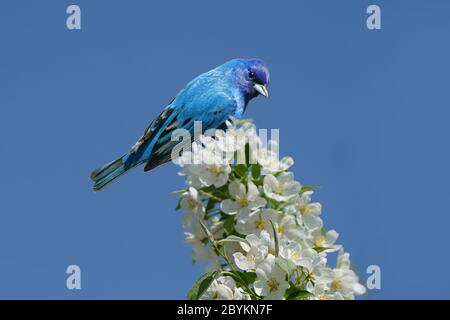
x=211 y=98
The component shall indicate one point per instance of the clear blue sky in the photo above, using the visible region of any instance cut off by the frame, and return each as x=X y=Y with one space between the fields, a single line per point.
x=365 y=114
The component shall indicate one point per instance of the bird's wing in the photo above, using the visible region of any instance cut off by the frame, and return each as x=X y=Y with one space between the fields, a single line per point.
x=154 y=127
x=213 y=116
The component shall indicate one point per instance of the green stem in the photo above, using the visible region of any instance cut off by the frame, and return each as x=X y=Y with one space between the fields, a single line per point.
x=209 y=195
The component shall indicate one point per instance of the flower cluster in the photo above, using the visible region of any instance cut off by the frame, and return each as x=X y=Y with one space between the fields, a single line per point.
x=256 y=225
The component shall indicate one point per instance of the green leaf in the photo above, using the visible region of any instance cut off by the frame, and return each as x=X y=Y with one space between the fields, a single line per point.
x=241 y=277
x=320 y=249
x=201 y=285
x=292 y=288
x=221 y=192
x=208 y=189
x=299 y=294
x=178 y=207
x=240 y=170
x=273 y=203
x=308 y=188
x=259 y=181
x=211 y=204
x=249 y=276
x=256 y=170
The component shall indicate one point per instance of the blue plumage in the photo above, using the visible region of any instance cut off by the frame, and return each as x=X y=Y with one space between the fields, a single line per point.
x=212 y=98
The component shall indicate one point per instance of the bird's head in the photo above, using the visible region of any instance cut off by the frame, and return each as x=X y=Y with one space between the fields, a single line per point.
x=252 y=76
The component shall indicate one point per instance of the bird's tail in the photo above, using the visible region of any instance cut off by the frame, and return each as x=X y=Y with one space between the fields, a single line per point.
x=111 y=171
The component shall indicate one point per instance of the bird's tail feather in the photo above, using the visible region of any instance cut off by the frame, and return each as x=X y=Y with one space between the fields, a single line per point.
x=111 y=171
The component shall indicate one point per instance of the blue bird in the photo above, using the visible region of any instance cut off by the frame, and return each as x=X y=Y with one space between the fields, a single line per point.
x=211 y=98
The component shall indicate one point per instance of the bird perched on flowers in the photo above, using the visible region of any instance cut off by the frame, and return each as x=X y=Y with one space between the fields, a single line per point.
x=211 y=98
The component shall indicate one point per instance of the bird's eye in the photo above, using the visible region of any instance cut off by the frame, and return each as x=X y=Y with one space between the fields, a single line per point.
x=251 y=75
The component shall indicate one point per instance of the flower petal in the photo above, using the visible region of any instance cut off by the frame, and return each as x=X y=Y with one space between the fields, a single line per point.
x=229 y=206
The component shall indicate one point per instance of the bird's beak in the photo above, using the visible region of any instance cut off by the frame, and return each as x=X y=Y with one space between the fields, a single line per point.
x=262 y=89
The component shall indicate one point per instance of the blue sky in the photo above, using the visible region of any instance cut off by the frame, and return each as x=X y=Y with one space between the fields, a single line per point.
x=363 y=113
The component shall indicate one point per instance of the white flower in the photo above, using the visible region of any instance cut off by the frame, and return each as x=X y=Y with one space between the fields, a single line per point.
x=243 y=200
x=314 y=263
x=290 y=218
x=199 y=251
x=231 y=140
x=309 y=212
x=299 y=256
x=269 y=160
x=310 y=215
x=321 y=292
x=271 y=280
x=344 y=282
x=192 y=207
x=318 y=239
x=256 y=249
x=222 y=288
x=204 y=167
x=216 y=175
x=256 y=221
x=343 y=260
x=288 y=229
x=196 y=238
x=306 y=212
x=281 y=188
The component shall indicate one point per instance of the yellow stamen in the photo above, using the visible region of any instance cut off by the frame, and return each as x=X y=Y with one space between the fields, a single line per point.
x=192 y=203
x=279 y=189
x=305 y=210
x=295 y=255
x=272 y=284
x=320 y=242
x=215 y=170
x=260 y=223
x=242 y=201
x=336 y=284
x=323 y=297
x=280 y=228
